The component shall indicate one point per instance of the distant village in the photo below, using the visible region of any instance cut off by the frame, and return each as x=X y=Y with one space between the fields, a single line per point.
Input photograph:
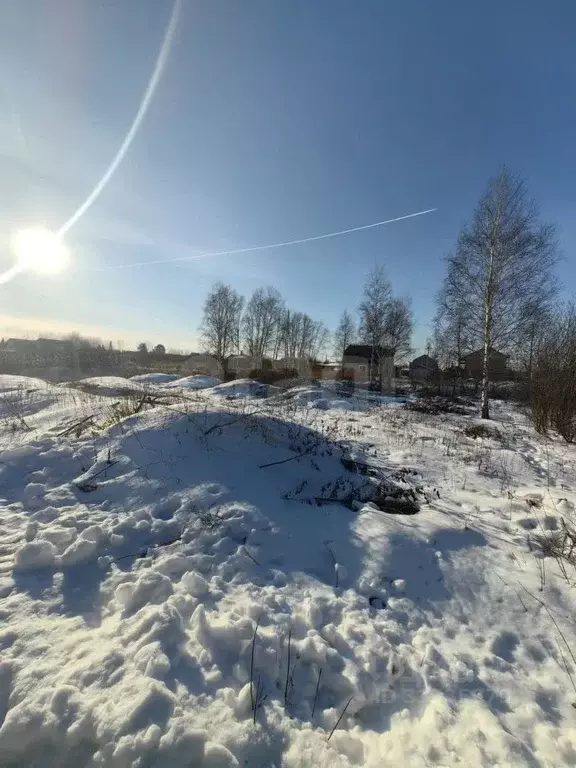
x=77 y=357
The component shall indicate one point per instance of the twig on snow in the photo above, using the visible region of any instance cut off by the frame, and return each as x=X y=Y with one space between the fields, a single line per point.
x=316 y=693
x=287 y=669
x=260 y=698
x=144 y=552
x=285 y=461
x=252 y=702
x=109 y=465
x=334 y=562
x=340 y=718
x=562 y=635
x=76 y=425
x=249 y=556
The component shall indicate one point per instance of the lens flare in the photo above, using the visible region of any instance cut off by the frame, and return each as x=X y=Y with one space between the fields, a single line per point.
x=39 y=250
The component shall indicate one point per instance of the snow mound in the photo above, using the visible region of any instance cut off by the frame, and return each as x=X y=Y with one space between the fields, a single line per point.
x=205 y=586
x=241 y=388
x=22 y=397
x=10 y=383
x=325 y=400
x=194 y=382
x=154 y=378
x=108 y=386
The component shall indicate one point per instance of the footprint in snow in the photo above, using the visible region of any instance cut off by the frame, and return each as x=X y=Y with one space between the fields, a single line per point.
x=504 y=645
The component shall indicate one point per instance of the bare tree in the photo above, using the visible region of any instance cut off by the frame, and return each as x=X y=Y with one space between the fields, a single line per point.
x=373 y=309
x=221 y=322
x=452 y=338
x=318 y=341
x=304 y=334
x=399 y=325
x=261 y=320
x=300 y=336
x=553 y=386
x=503 y=259
x=538 y=318
x=344 y=335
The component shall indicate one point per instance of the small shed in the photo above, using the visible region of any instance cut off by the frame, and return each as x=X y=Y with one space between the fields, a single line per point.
x=200 y=364
x=360 y=360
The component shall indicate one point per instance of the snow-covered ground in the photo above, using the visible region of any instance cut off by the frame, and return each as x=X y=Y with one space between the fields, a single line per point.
x=240 y=388
x=206 y=583
x=154 y=378
x=193 y=382
x=109 y=386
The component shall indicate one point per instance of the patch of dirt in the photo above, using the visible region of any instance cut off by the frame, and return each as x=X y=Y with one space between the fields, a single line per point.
x=436 y=405
x=395 y=500
x=481 y=430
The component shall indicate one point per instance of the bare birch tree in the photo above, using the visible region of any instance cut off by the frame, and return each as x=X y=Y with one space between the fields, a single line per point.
x=538 y=317
x=344 y=335
x=504 y=258
x=452 y=337
x=398 y=327
x=301 y=336
x=373 y=309
x=319 y=341
x=220 y=327
x=260 y=321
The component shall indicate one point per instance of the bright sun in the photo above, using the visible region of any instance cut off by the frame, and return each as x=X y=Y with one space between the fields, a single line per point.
x=40 y=250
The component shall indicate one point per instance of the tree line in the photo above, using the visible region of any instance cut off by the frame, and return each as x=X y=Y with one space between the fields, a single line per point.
x=499 y=292
x=265 y=327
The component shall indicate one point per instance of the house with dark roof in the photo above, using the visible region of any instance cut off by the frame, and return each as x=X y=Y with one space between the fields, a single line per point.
x=19 y=345
x=497 y=364
x=423 y=368
x=364 y=363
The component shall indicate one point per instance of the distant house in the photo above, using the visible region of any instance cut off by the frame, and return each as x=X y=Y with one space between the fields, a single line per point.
x=299 y=364
x=205 y=365
x=326 y=370
x=241 y=365
x=423 y=368
x=360 y=360
x=497 y=364
x=54 y=346
x=19 y=345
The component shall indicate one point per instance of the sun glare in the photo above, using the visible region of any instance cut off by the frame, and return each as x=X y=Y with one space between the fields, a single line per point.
x=40 y=250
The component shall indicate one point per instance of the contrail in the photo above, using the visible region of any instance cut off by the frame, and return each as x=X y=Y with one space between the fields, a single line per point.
x=10 y=273
x=144 y=104
x=283 y=244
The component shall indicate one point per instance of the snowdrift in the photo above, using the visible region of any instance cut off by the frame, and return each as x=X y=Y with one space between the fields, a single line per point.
x=240 y=388
x=324 y=399
x=108 y=386
x=10 y=383
x=193 y=382
x=22 y=397
x=154 y=378
x=207 y=585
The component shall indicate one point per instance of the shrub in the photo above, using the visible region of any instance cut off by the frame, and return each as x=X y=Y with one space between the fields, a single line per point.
x=435 y=405
x=270 y=376
x=553 y=390
x=480 y=430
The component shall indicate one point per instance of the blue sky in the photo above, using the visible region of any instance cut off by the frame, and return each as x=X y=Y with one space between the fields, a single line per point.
x=273 y=121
